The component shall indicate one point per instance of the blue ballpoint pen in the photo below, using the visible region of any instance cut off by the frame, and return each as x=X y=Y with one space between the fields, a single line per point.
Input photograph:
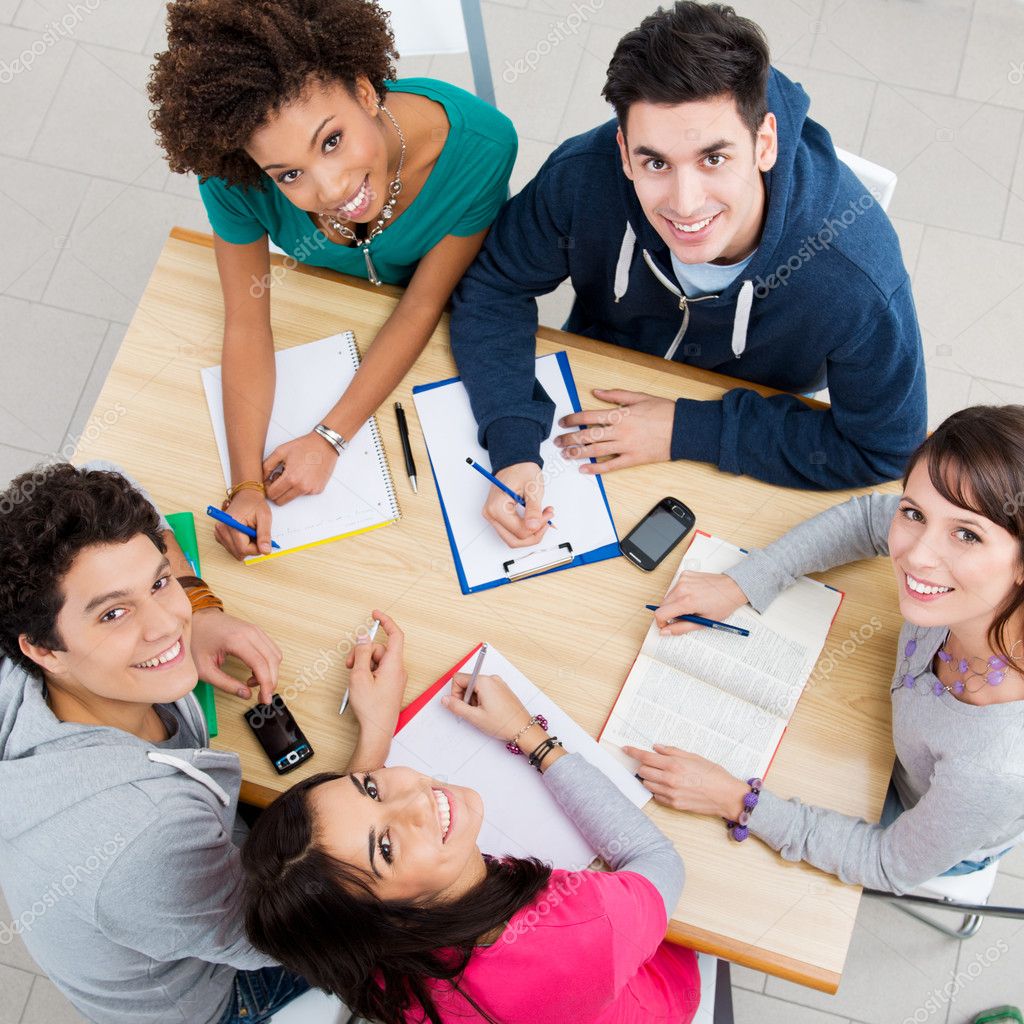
x=518 y=498
x=223 y=517
x=726 y=627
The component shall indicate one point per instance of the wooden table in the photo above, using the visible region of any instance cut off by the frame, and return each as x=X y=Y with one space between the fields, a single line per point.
x=574 y=633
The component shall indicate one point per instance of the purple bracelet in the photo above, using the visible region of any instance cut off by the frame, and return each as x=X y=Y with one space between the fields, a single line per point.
x=512 y=746
x=738 y=829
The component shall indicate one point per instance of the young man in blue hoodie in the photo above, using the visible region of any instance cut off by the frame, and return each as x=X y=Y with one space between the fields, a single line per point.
x=712 y=224
x=116 y=851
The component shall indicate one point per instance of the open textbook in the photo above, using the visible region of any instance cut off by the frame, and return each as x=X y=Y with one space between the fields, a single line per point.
x=726 y=697
x=359 y=495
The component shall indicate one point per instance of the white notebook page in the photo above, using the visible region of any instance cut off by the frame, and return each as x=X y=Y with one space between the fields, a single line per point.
x=359 y=495
x=521 y=818
x=449 y=428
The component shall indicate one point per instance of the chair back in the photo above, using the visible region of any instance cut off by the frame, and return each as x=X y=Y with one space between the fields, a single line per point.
x=878 y=180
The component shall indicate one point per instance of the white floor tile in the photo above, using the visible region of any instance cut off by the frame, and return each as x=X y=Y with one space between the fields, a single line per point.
x=913 y=44
x=970 y=300
x=755 y=1008
x=1013 y=862
x=12 y=947
x=118 y=23
x=910 y=234
x=532 y=62
x=46 y=354
x=586 y=107
x=948 y=391
x=993 y=64
x=744 y=977
x=114 y=245
x=40 y=204
x=47 y=1005
x=841 y=103
x=28 y=82
x=15 y=987
x=985 y=391
x=890 y=969
x=82 y=419
x=12 y=462
x=8 y=8
x=934 y=143
x=1013 y=226
x=528 y=162
x=98 y=123
x=988 y=972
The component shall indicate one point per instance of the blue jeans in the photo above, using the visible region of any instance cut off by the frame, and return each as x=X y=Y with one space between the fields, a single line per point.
x=259 y=994
x=893 y=808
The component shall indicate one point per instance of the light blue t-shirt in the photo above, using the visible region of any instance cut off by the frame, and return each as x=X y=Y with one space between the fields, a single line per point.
x=697 y=279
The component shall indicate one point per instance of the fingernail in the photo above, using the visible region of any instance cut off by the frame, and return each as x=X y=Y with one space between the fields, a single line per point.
x=445 y=701
x=242 y=692
x=363 y=638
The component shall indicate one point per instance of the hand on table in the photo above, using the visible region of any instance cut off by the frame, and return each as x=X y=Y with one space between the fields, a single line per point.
x=308 y=463
x=251 y=508
x=216 y=636
x=377 y=679
x=710 y=594
x=689 y=782
x=495 y=710
x=516 y=526
x=637 y=432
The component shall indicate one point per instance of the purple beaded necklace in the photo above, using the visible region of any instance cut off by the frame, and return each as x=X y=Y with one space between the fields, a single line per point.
x=992 y=670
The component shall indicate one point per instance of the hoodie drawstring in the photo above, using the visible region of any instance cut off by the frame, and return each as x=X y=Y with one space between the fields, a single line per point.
x=192 y=772
x=624 y=260
x=744 y=301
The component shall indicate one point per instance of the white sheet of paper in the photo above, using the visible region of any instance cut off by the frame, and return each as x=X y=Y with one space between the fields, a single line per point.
x=359 y=495
x=449 y=428
x=521 y=818
x=725 y=697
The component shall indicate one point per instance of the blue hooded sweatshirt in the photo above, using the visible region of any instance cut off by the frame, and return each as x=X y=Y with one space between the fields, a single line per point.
x=825 y=300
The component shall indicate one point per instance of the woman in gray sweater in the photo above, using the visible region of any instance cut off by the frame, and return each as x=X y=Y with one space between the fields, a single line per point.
x=956 y=540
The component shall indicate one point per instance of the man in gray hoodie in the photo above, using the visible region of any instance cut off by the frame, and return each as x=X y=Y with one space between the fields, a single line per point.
x=116 y=820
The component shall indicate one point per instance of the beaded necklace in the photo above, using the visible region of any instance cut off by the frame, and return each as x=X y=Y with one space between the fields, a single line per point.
x=991 y=670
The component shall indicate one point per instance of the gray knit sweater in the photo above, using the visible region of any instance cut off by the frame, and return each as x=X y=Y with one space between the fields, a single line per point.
x=960 y=768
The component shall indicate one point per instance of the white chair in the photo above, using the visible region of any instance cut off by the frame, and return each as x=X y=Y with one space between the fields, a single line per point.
x=315 y=1007
x=443 y=26
x=966 y=894
x=878 y=180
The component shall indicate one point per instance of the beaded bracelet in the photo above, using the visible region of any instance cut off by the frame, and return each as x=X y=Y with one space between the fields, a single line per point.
x=513 y=744
x=738 y=829
x=542 y=750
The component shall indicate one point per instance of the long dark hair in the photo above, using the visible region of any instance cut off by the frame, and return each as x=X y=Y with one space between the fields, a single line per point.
x=976 y=461
x=321 y=918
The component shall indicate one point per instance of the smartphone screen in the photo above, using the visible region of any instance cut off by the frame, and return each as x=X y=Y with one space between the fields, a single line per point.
x=658 y=533
x=279 y=734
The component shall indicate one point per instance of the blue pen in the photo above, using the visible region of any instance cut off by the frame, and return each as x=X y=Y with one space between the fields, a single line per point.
x=518 y=498
x=701 y=621
x=223 y=517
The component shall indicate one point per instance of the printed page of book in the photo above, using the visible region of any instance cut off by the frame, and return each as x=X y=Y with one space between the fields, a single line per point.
x=360 y=494
x=521 y=818
x=723 y=696
x=449 y=429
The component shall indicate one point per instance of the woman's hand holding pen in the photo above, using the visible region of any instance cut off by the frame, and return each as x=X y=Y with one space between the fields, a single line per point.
x=689 y=782
x=377 y=679
x=251 y=508
x=307 y=462
x=713 y=595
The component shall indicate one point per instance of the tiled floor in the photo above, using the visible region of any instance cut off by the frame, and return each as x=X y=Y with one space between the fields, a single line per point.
x=933 y=89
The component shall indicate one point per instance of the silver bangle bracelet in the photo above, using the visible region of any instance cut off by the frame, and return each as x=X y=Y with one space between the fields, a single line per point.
x=332 y=437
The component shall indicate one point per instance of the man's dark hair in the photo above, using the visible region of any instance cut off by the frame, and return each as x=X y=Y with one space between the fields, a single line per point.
x=47 y=517
x=687 y=53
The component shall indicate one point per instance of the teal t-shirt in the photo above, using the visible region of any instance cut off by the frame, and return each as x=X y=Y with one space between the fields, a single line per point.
x=461 y=196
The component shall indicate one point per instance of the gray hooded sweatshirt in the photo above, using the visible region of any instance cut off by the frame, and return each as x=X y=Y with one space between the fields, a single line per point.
x=117 y=860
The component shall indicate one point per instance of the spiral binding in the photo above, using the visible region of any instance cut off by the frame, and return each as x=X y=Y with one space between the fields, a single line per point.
x=382 y=455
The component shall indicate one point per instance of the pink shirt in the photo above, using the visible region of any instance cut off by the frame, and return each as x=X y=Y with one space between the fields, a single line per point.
x=588 y=950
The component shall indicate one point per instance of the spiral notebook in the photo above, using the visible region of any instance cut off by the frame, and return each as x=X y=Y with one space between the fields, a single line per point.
x=360 y=494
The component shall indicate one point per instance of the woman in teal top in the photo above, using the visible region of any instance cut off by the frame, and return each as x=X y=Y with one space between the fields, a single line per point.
x=289 y=114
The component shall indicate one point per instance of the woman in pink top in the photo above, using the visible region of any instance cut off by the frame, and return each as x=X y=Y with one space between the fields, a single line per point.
x=372 y=886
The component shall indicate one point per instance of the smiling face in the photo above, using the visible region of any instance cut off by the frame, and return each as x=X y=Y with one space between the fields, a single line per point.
x=415 y=836
x=326 y=151
x=697 y=173
x=953 y=566
x=125 y=625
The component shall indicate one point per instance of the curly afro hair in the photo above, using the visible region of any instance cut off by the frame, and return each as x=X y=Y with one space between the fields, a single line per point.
x=230 y=64
x=47 y=517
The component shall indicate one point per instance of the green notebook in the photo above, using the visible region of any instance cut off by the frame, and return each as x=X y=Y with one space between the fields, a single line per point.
x=184 y=526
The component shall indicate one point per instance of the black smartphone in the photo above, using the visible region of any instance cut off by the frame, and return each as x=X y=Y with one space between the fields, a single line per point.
x=657 y=533
x=279 y=735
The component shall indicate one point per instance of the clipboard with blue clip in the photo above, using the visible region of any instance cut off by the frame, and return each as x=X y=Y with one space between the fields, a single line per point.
x=584 y=529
